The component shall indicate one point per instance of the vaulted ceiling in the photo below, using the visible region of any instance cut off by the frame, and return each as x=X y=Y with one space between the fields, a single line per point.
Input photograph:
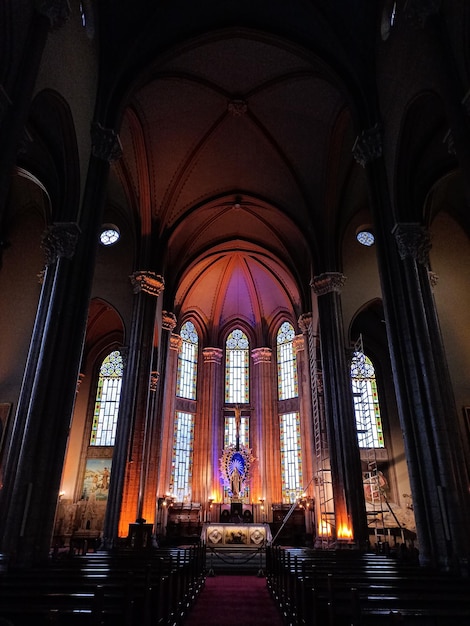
x=237 y=153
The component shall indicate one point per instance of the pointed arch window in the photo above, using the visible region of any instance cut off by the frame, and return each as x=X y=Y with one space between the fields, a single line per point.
x=187 y=362
x=108 y=394
x=291 y=460
x=366 y=402
x=182 y=462
x=237 y=372
x=286 y=363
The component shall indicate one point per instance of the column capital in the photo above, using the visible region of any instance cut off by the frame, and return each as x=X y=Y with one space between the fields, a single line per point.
x=56 y=11
x=212 y=355
x=299 y=343
x=148 y=282
x=327 y=283
x=417 y=12
x=368 y=145
x=60 y=240
x=261 y=355
x=433 y=278
x=154 y=378
x=175 y=342
x=168 y=321
x=305 y=322
x=105 y=143
x=80 y=379
x=413 y=241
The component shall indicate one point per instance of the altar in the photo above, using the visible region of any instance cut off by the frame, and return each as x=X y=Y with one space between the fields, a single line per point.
x=236 y=535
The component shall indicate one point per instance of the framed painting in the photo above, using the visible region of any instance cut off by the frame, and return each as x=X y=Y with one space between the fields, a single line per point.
x=96 y=479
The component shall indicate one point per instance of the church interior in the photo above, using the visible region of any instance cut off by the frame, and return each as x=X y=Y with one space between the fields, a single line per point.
x=234 y=244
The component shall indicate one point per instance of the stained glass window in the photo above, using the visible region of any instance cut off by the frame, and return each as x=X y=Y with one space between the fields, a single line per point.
x=103 y=430
x=291 y=458
x=286 y=363
x=366 y=402
x=230 y=435
x=182 y=462
x=237 y=368
x=187 y=362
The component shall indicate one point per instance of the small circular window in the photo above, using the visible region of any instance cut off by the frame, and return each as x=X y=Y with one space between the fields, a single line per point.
x=365 y=237
x=109 y=235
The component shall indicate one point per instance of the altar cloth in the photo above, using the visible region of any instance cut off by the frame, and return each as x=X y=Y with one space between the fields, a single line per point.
x=232 y=535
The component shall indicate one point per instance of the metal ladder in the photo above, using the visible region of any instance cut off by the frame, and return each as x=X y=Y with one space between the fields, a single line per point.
x=323 y=483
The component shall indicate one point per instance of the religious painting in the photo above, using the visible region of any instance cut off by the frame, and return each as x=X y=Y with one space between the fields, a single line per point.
x=236 y=535
x=215 y=535
x=5 y=410
x=96 y=479
x=257 y=536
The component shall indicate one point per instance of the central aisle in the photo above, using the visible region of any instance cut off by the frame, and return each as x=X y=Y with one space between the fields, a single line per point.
x=234 y=601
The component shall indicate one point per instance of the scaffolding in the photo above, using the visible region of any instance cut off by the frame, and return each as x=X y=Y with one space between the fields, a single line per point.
x=367 y=437
x=323 y=484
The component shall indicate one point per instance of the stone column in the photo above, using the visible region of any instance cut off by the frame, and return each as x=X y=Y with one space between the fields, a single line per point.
x=168 y=412
x=155 y=447
x=428 y=24
x=41 y=427
x=437 y=445
x=266 y=432
x=426 y=407
x=305 y=409
x=15 y=98
x=346 y=474
x=208 y=443
x=138 y=425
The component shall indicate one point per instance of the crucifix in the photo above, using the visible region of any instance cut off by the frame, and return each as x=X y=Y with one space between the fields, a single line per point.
x=238 y=421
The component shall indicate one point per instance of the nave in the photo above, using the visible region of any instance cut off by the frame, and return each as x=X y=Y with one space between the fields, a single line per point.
x=182 y=587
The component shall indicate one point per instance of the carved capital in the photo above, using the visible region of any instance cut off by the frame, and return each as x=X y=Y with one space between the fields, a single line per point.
x=56 y=11
x=154 y=378
x=237 y=108
x=327 y=283
x=305 y=322
x=418 y=11
x=261 y=355
x=175 y=342
x=124 y=352
x=212 y=355
x=433 y=278
x=413 y=241
x=60 y=240
x=105 y=143
x=168 y=321
x=148 y=282
x=368 y=145
x=80 y=379
x=299 y=343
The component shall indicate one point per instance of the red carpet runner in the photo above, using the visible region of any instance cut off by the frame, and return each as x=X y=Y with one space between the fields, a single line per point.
x=234 y=601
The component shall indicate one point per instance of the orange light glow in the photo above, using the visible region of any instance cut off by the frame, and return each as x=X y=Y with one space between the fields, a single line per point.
x=324 y=529
x=344 y=532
